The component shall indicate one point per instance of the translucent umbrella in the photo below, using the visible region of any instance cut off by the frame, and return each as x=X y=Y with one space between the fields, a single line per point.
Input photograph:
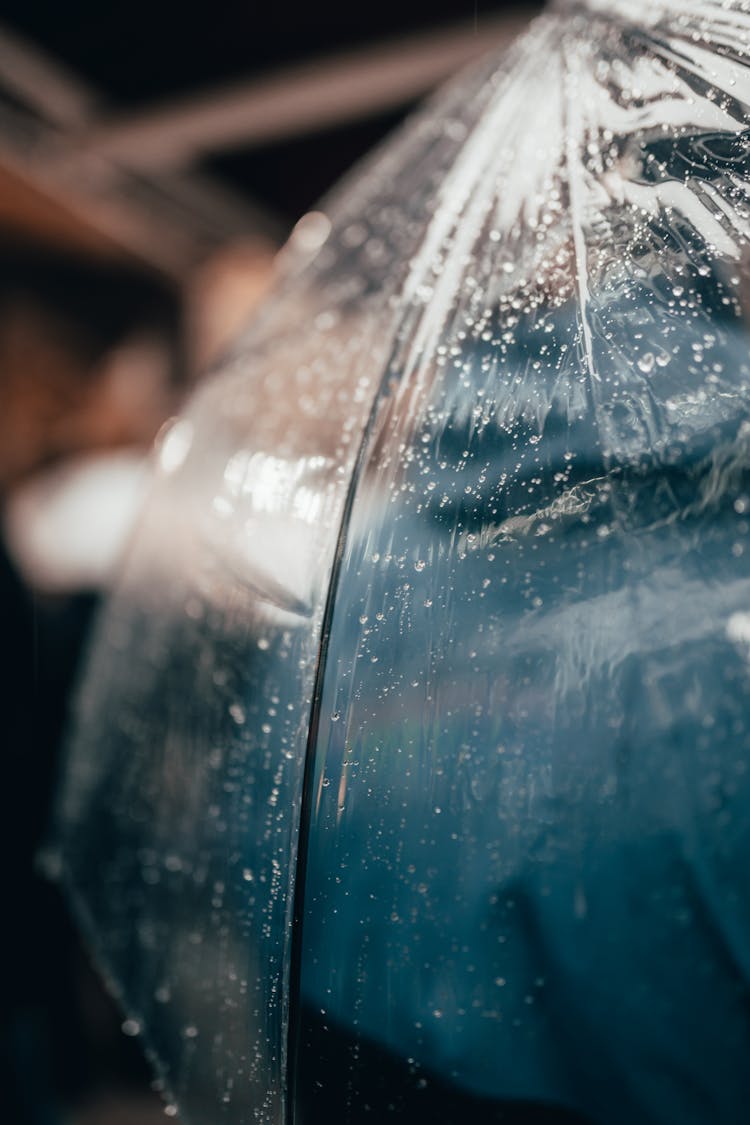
x=410 y=772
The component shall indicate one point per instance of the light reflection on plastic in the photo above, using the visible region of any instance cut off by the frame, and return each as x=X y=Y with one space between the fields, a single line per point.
x=175 y=444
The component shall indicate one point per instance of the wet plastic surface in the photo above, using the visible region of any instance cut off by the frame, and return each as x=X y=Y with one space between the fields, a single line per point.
x=506 y=406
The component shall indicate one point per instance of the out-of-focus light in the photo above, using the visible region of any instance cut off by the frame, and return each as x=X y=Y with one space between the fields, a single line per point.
x=67 y=527
x=174 y=443
x=310 y=232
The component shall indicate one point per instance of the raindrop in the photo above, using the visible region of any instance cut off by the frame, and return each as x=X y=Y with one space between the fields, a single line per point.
x=237 y=711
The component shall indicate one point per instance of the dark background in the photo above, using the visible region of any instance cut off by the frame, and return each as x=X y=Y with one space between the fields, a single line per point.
x=143 y=53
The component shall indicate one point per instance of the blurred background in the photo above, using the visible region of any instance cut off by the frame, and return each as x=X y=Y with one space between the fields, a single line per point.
x=153 y=158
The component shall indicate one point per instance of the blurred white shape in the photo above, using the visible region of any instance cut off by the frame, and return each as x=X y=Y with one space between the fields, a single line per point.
x=267 y=509
x=738 y=629
x=310 y=232
x=174 y=443
x=66 y=527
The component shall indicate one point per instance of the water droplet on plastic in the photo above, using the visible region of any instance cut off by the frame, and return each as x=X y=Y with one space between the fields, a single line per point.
x=237 y=711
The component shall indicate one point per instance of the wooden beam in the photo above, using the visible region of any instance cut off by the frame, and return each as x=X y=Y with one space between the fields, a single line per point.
x=95 y=205
x=43 y=84
x=298 y=100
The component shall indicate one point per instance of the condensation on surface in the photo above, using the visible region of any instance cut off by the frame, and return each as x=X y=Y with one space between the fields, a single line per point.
x=526 y=877
x=526 y=884
x=179 y=816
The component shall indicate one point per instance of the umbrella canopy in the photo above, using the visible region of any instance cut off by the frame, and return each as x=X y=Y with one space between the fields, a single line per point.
x=410 y=772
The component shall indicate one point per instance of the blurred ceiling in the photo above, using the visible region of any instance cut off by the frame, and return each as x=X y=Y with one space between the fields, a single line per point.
x=162 y=130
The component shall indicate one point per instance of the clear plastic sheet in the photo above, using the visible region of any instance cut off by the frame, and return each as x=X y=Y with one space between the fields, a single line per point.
x=179 y=814
x=500 y=425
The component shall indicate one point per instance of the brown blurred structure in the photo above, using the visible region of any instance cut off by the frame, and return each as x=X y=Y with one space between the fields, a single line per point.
x=128 y=195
